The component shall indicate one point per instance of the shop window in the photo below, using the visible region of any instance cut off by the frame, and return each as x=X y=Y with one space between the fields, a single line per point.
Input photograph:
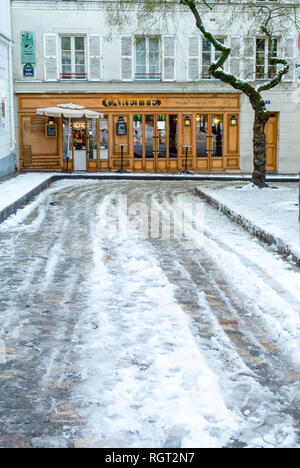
x=147 y=58
x=173 y=136
x=103 y=140
x=201 y=135
x=92 y=139
x=162 y=136
x=263 y=67
x=137 y=136
x=149 y=135
x=73 y=58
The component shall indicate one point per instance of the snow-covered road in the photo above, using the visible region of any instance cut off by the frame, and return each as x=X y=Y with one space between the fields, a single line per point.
x=127 y=340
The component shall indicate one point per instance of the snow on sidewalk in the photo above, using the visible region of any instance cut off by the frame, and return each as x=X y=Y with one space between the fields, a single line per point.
x=275 y=211
x=13 y=189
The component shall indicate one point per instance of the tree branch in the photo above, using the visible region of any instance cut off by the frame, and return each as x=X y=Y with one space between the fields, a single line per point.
x=273 y=61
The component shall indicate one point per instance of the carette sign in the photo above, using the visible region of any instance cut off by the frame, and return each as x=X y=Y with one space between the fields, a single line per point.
x=129 y=102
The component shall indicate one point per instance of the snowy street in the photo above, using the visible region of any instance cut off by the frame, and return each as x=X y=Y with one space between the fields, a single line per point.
x=117 y=339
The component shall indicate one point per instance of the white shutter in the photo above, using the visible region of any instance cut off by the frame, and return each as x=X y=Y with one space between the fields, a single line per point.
x=194 y=58
x=95 y=54
x=249 y=58
x=288 y=53
x=235 y=56
x=168 y=59
x=51 y=57
x=127 y=58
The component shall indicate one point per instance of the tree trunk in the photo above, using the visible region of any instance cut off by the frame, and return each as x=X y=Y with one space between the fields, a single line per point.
x=259 y=150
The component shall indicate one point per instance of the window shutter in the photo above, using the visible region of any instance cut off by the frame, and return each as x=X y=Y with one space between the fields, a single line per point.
x=95 y=53
x=168 y=58
x=194 y=58
x=249 y=62
x=51 y=57
x=235 y=56
x=289 y=55
x=127 y=58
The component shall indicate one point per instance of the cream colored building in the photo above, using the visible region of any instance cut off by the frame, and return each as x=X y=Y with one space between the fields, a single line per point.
x=79 y=58
x=7 y=156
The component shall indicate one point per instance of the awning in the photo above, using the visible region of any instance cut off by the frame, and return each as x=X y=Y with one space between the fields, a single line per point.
x=71 y=111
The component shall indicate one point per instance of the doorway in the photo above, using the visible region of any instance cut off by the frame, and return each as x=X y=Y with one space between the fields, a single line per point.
x=209 y=139
x=271 y=132
x=79 y=135
x=150 y=142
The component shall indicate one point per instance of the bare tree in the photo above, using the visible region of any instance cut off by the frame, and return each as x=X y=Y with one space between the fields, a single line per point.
x=263 y=19
x=261 y=114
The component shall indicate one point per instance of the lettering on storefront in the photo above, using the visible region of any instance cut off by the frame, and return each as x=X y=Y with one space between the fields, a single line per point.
x=131 y=102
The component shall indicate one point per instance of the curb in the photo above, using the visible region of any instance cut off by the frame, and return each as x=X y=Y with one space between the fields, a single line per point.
x=13 y=208
x=281 y=247
x=162 y=176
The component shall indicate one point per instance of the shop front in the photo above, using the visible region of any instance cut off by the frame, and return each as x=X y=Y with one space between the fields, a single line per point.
x=142 y=133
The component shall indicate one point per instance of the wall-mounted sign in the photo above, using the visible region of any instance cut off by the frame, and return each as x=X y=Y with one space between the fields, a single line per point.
x=28 y=70
x=124 y=102
x=27 y=48
x=51 y=130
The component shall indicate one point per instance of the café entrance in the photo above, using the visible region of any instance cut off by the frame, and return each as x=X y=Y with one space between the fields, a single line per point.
x=80 y=145
x=157 y=133
x=150 y=142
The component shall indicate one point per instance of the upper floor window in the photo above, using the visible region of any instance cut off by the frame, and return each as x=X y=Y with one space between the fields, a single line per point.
x=201 y=55
x=209 y=55
x=147 y=58
x=263 y=68
x=73 y=58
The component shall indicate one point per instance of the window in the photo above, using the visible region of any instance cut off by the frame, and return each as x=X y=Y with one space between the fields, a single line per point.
x=147 y=58
x=73 y=59
x=263 y=68
x=209 y=55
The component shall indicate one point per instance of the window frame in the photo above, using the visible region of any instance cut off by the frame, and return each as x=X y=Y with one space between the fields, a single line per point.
x=73 y=63
x=213 y=52
x=267 y=66
x=147 y=41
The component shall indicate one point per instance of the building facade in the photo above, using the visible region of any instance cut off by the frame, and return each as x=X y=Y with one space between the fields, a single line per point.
x=159 y=106
x=7 y=139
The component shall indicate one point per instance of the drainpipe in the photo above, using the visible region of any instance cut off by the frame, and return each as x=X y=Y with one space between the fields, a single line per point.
x=11 y=90
x=11 y=98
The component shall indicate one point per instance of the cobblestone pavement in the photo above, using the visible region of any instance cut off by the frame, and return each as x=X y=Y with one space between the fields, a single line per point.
x=46 y=279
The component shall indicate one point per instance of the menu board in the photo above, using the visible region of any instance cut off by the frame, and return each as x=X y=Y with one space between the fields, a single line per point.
x=51 y=130
x=121 y=128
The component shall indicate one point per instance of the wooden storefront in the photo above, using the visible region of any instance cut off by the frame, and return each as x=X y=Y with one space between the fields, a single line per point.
x=159 y=133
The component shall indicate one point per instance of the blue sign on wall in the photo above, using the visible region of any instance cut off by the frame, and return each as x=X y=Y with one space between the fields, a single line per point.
x=28 y=70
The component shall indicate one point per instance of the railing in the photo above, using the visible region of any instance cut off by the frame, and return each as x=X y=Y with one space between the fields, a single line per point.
x=148 y=76
x=73 y=76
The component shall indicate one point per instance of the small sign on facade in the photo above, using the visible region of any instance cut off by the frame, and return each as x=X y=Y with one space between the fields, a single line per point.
x=28 y=70
x=27 y=48
x=51 y=130
x=121 y=128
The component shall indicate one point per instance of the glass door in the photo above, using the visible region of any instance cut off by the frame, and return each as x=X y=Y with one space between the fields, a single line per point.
x=80 y=148
x=150 y=142
x=217 y=135
x=209 y=140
